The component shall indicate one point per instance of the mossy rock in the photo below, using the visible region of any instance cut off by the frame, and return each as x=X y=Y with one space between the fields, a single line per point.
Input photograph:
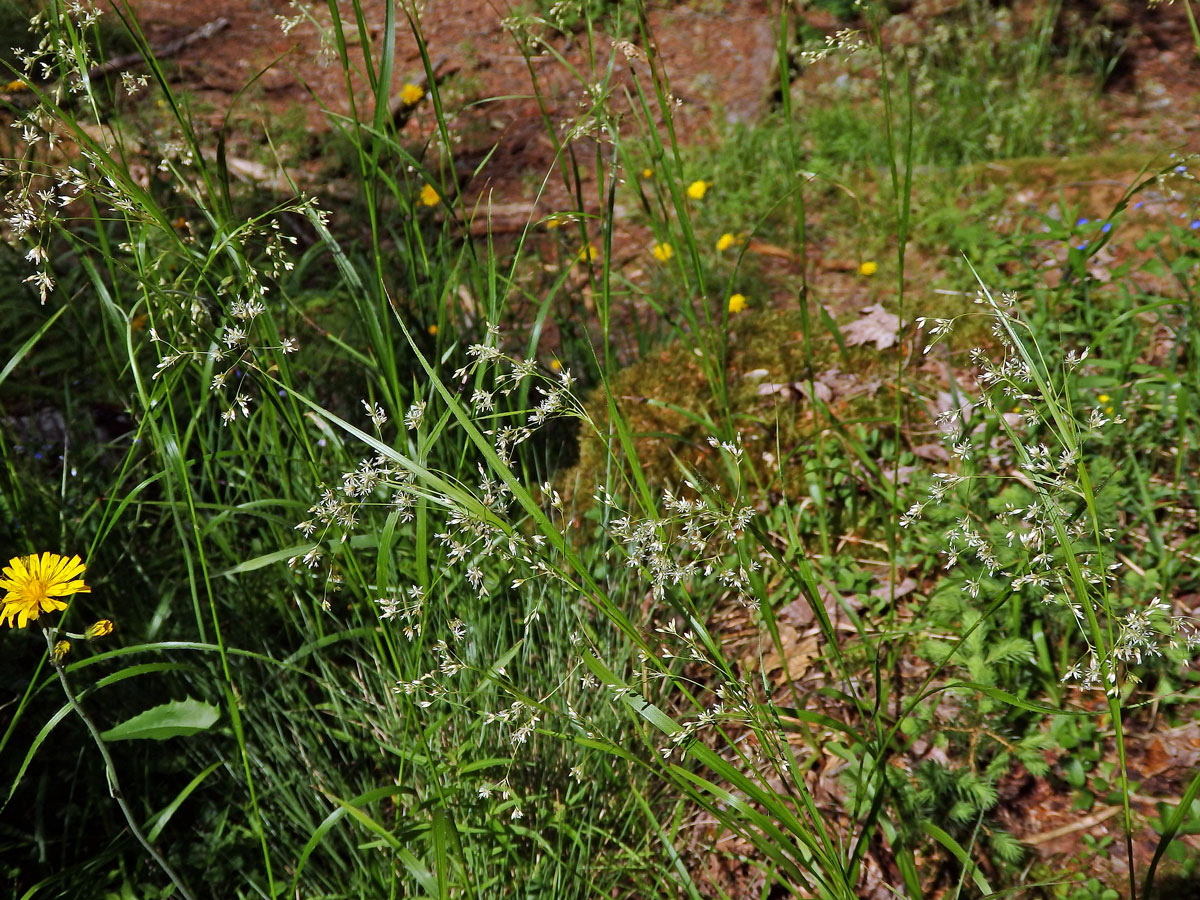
x=672 y=408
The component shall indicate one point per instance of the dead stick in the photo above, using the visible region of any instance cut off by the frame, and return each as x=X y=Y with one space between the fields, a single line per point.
x=1080 y=825
x=162 y=52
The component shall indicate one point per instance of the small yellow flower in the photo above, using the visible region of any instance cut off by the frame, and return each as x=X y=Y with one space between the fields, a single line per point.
x=34 y=585
x=429 y=196
x=1109 y=410
x=13 y=86
x=647 y=173
x=411 y=94
x=1104 y=398
x=737 y=303
x=588 y=254
x=725 y=241
x=61 y=649
x=870 y=267
x=697 y=189
x=555 y=365
x=556 y=221
x=662 y=252
x=432 y=329
x=102 y=628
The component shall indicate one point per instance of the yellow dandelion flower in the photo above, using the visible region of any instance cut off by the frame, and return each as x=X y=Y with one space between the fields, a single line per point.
x=411 y=94
x=870 y=267
x=34 y=585
x=727 y=240
x=61 y=649
x=647 y=173
x=588 y=254
x=100 y=629
x=429 y=196
x=697 y=189
x=432 y=329
x=662 y=252
x=1104 y=398
x=737 y=303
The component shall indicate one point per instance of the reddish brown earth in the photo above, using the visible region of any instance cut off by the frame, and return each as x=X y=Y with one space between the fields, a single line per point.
x=719 y=58
x=469 y=43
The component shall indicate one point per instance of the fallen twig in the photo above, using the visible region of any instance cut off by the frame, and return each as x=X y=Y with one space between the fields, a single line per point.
x=161 y=52
x=1083 y=824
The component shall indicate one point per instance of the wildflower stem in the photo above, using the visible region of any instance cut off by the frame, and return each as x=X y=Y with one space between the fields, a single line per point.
x=111 y=771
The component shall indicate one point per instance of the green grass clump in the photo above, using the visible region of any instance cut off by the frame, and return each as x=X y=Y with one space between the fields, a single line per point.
x=820 y=599
x=976 y=85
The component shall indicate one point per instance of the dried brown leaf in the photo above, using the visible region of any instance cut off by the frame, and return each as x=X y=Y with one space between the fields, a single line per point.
x=874 y=325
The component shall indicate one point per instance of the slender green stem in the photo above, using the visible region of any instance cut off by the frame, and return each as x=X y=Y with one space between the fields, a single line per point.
x=1191 y=17
x=114 y=785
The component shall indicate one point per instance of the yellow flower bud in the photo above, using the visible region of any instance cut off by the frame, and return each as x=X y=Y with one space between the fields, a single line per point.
x=100 y=629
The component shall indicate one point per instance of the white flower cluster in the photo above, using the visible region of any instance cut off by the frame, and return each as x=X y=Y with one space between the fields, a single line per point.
x=480 y=539
x=1050 y=547
x=687 y=544
x=520 y=718
x=846 y=41
x=407 y=607
x=506 y=374
x=114 y=172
